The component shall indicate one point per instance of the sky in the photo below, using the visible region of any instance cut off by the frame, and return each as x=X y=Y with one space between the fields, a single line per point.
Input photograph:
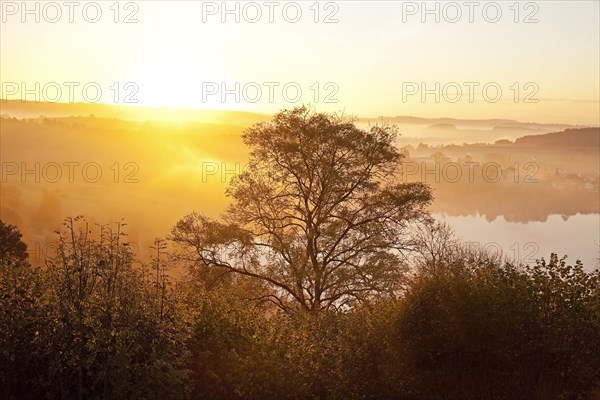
x=532 y=61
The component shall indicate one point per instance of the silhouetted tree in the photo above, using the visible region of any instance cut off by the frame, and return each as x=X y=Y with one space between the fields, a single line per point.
x=435 y=245
x=22 y=314
x=112 y=334
x=319 y=214
x=11 y=245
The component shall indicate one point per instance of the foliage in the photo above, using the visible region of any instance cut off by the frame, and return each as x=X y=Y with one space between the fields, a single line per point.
x=86 y=326
x=392 y=305
x=91 y=325
x=11 y=245
x=506 y=332
x=319 y=215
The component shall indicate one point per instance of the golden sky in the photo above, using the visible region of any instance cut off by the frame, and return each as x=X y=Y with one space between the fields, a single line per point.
x=371 y=61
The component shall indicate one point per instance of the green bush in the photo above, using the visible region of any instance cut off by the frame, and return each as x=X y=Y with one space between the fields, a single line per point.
x=502 y=332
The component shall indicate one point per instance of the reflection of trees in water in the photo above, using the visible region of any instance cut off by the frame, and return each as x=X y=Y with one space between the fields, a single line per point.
x=520 y=183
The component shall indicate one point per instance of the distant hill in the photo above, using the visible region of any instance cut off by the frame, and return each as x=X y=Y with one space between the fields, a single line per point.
x=585 y=137
x=521 y=129
x=32 y=109
x=500 y=124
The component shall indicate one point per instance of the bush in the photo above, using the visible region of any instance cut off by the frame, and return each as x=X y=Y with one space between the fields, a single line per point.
x=501 y=332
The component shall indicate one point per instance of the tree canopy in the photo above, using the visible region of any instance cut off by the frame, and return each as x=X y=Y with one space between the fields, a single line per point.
x=319 y=214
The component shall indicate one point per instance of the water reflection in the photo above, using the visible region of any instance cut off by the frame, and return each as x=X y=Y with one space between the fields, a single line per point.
x=577 y=237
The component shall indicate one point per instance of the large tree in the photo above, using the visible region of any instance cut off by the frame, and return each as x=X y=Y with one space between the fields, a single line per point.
x=319 y=214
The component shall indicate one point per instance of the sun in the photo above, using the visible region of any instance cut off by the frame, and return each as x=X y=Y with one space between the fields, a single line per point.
x=175 y=78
